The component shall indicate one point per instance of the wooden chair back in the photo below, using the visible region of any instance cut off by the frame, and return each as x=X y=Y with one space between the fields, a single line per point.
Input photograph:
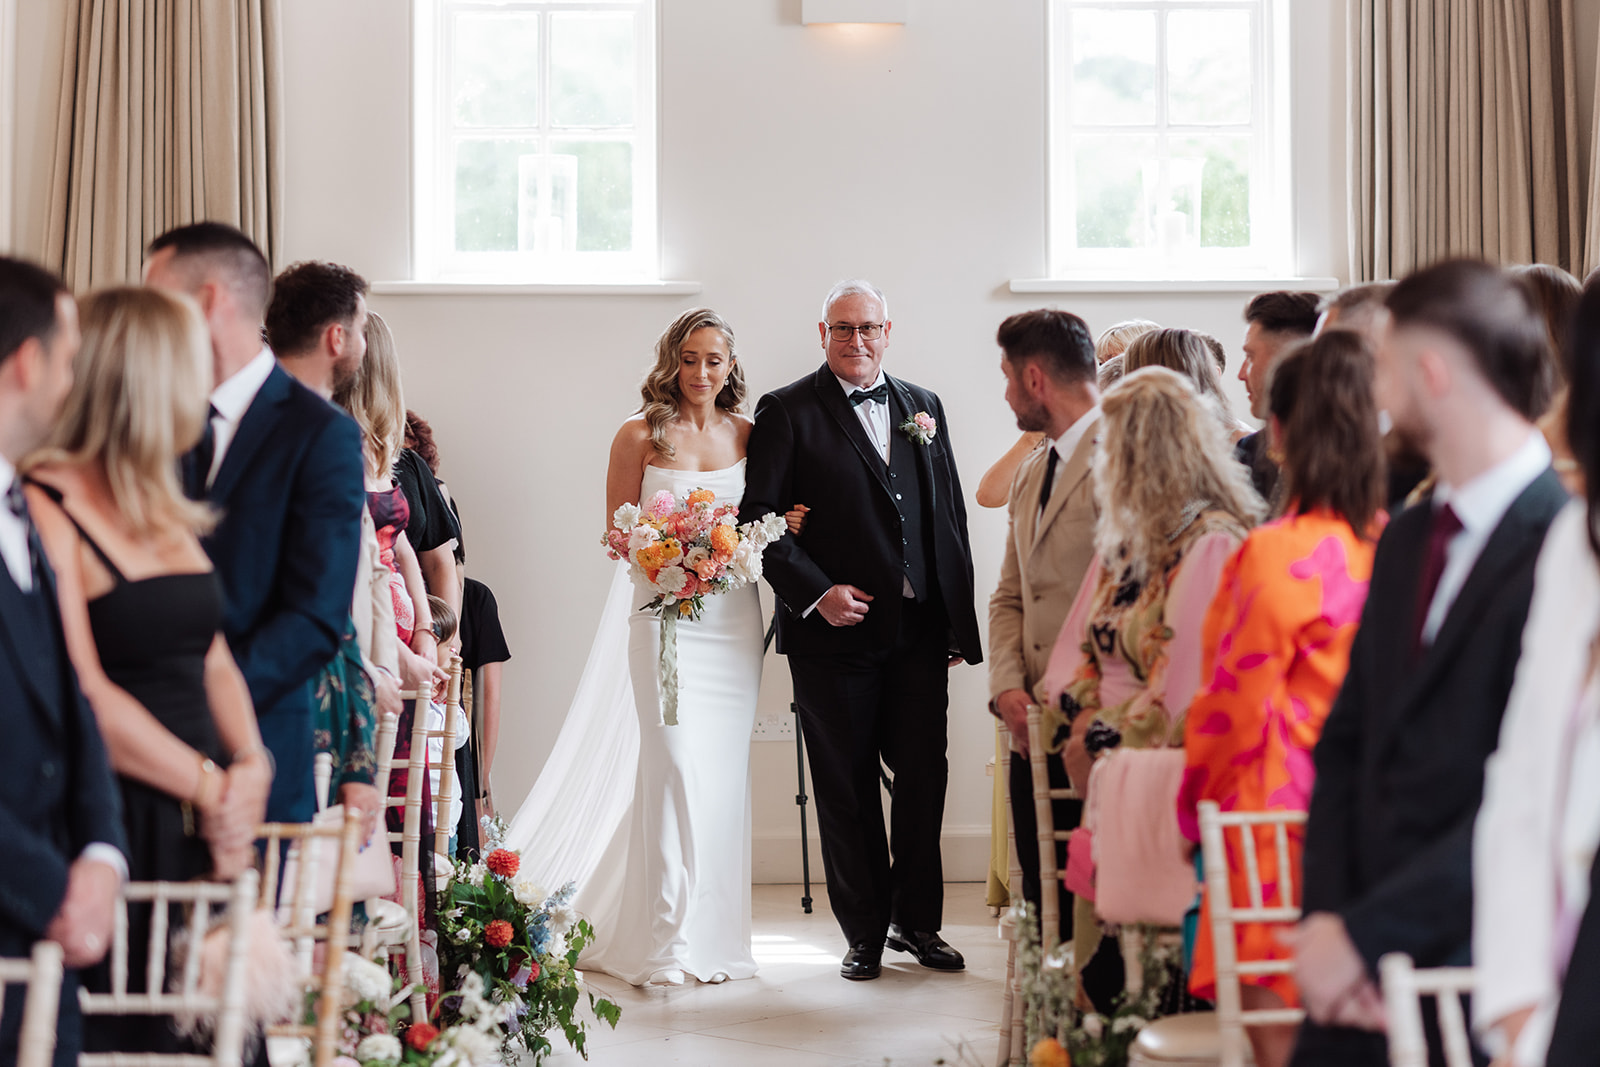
x=41 y=973
x=1043 y=811
x=1404 y=986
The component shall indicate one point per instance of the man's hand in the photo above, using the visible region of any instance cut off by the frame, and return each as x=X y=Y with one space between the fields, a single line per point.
x=1329 y=970
x=82 y=927
x=1362 y=1009
x=358 y=796
x=1013 y=708
x=843 y=605
x=386 y=694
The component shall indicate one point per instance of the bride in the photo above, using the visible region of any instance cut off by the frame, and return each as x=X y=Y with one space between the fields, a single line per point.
x=653 y=821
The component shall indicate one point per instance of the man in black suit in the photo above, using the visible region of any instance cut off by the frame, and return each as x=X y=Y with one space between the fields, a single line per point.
x=876 y=605
x=283 y=467
x=1388 y=854
x=60 y=810
x=1273 y=323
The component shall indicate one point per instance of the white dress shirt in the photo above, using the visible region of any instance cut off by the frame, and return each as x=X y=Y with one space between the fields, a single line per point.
x=14 y=535
x=873 y=415
x=232 y=398
x=1067 y=444
x=1480 y=505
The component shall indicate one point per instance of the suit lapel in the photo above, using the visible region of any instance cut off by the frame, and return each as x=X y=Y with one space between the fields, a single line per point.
x=1069 y=476
x=254 y=428
x=834 y=403
x=1513 y=542
x=908 y=408
x=20 y=636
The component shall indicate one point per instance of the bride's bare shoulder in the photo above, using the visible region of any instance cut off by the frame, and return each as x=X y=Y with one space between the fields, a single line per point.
x=742 y=425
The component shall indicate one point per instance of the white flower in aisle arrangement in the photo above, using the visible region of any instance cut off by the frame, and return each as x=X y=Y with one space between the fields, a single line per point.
x=379 y=1048
x=687 y=552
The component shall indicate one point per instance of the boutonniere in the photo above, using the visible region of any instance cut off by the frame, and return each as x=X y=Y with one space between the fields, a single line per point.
x=920 y=427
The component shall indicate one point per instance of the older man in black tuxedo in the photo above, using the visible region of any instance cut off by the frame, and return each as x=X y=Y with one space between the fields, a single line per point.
x=876 y=604
x=1400 y=765
x=60 y=811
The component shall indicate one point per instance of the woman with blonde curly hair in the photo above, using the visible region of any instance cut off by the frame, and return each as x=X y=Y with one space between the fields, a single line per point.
x=652 y=820
x=141 y=609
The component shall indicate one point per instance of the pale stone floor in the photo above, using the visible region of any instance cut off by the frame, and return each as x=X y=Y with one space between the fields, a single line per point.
x=798 y=1012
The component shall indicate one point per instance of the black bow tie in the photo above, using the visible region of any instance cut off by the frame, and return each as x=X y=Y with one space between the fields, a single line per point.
x=879 y=392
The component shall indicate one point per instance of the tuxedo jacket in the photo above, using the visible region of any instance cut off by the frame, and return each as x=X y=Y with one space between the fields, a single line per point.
x=1047 y=555
x=290 y=491
x=808 y=447
x=57 y=792
x=1400 y=764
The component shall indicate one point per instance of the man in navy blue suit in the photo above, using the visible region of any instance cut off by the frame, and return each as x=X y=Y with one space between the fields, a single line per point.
x=60 y=812
x=283 y=466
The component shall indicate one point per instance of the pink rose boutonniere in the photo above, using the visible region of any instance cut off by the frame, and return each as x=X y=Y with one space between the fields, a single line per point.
x=921 y=427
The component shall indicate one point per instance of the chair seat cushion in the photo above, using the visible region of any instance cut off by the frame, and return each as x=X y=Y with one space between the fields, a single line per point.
x=1189 y=1040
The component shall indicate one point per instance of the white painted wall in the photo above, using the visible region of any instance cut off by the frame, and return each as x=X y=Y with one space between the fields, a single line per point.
x=790 y=157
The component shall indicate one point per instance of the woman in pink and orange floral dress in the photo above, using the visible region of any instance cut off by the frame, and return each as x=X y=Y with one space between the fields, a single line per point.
x=1277 y=640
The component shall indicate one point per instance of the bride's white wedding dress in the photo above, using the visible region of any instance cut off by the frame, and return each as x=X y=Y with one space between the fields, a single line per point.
x=653 y=821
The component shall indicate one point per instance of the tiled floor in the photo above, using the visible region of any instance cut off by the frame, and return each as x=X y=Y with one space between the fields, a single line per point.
x=798 y=1012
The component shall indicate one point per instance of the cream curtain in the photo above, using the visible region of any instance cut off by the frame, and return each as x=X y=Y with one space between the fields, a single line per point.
x=1591 y=257
x=1463 y=131
x=168 y=115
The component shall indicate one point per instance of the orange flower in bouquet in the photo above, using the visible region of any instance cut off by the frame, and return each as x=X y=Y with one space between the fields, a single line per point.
x=503 y=862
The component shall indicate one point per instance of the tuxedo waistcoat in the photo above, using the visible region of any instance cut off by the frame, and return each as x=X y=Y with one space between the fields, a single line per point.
x=916 y=525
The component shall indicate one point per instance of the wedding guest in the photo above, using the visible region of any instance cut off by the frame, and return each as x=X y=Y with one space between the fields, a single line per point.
x=1556 y=294
x=444 y=632
x=282 y=467
x=1185 y=352
x=1277 y=639
x=433 y=530
x=1111 y=372
x=141 y=608
x=1537 y=830
x=1048 y=361
x=1219 y=355
x=60 y=811
x=1173 y=506
x=1399 y=766
x=997 y=480
x=1273 y=322
x=484 y=653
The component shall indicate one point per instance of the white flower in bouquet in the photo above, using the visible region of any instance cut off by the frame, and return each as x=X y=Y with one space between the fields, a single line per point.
x=563 y=917
x=772 y=527
x=463 y=935
x=1094 y=1025
x=626 y=517
x=745 y=566
x=529 y=894
x=365 y=980
x=558 y=947
x=728 y=519
x=379 y=1048
x=696 y=556
x=476 y=874
x=642 y=537
x=672 y=579
x=471 y=1046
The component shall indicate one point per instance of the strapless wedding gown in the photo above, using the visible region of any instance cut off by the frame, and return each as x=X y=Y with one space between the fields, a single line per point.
x=664 y=875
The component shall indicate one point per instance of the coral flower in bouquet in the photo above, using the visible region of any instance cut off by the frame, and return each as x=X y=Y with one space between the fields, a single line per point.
x=686 y=552
x=521 y=942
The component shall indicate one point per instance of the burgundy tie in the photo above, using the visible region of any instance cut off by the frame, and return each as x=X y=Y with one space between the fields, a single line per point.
x=1446 y=524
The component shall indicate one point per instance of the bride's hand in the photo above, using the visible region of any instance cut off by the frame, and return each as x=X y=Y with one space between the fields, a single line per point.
x=795 y=519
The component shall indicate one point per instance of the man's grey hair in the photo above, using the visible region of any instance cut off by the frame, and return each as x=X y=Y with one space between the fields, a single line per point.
x=854 y=287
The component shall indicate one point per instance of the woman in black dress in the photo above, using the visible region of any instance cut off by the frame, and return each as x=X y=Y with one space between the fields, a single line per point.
x=141 y=609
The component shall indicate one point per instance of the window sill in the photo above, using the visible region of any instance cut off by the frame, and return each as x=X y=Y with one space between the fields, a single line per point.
x=536 y=288
x=1170 y=285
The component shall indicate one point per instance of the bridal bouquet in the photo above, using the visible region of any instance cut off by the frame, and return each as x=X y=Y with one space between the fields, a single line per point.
x=687 y=552
x=521 y=943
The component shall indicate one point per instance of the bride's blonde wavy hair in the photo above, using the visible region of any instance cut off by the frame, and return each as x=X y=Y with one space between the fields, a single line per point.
x=1163 y=459
x=661 y=391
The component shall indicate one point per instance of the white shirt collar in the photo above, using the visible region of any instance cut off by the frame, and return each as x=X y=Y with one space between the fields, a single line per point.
x=1068 y=442
x=233 y=397
x=851 y=387
x=8 y=473
x=1483 y=502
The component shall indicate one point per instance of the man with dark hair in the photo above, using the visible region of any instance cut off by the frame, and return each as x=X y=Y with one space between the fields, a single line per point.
x=1388 y=853
x=1048 y=360
x=284 y=469
x=60 y=809
x=1273 y=322
x=316 y=324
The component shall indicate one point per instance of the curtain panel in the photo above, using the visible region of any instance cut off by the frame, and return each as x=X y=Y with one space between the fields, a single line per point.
x=169 y=115
x=1464 y=134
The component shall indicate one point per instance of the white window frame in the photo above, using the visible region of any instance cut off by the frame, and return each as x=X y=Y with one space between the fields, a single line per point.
x=434 y=258
x=1271 y=253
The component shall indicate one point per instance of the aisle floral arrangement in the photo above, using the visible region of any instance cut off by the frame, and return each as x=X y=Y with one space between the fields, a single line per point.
x=521 y=943
x=687 y=552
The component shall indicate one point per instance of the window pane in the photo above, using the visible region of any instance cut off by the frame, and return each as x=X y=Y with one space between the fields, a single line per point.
x=591 y=69
x=1208 y=67
x=605 y=193
x=1113 y=67
x=495 y=69
x=1110 y=190
x=1219 y=167
x=488 y=193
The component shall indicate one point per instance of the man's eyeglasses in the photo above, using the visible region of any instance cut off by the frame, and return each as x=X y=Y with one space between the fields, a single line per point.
x=870 y=331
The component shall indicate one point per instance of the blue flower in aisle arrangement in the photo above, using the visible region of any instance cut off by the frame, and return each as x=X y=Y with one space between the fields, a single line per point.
x=686 y=553
x=921 y=428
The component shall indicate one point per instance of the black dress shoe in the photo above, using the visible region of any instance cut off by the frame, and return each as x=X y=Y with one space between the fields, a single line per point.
x=862 y=962
x=929 y=949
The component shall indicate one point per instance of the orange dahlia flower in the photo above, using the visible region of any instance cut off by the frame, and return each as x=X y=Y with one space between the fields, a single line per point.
x=498 y=934
x=724 y=539
x=503 y=862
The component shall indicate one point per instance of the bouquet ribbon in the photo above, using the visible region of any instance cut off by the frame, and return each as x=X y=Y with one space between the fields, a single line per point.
x=669 y=666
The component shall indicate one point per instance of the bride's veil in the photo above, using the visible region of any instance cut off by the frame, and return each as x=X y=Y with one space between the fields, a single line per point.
x=582 y=795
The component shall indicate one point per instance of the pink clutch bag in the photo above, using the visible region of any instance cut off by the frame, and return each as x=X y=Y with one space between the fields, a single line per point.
x=1079 y=875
